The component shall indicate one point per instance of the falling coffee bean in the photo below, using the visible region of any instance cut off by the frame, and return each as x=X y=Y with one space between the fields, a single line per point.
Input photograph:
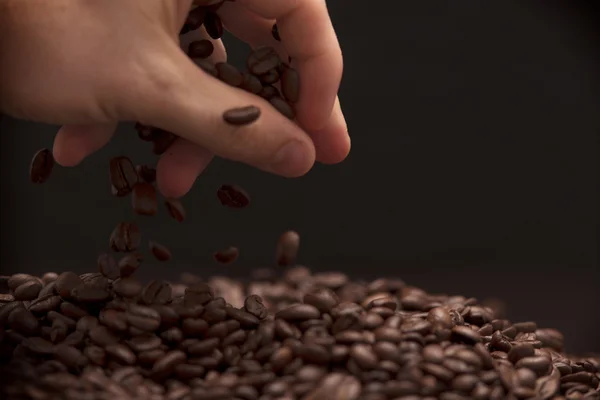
x=287 y=248
x=175 y=209
x=162 y=253
x=41 y=166
x=200 y=49
x=213 y=25
x=125 y=237
x=123 y=175
x=226 y=256
x=143 y=199
x=233 y=196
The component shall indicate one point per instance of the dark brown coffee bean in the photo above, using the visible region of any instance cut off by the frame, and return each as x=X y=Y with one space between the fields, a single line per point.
x=145 y=132
x=233 y=196
x=45 y=304
x=299 y=312
x=465 y=334
x=262 y=60
x=268 y=92
x=95 y=354
x=24 y=322
x=227 y=255
x=166 y=365
x=251 y=83
x=127 y=287
x=195 y=18
x=270 y=78
x=245 y=319
x=108 y=266
x=156 y=292
x=66 y=282
x=28 y=290
x=275 y=33
x=41 y=166
x=115 y=320
x=323 y=299
x=364 y=356
x=146 y=174
x=125 y=237
x=313 y=354
x=161 y=141
x=175 y=209
x=551 y=338
x=242 y=115
x=38 y=346
x=213 y=25
x=187 y=372
x=86 y=324
x=198 y=294
x=525 y=327
x=123 y=175
x=200 y=49
x=538 y=364
x=287 y=248
x=229 y=74
x=159 y=251
x=290 y=85
x=255 y=306
x=90 y=294
x=519 y=351
x=71 y=357
x=143 y=199
x=144 y=318
x=121 y=353
x=283 y=107
x=129 y=263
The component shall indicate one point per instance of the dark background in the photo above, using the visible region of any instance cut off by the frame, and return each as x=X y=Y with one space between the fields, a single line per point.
x=474 y=129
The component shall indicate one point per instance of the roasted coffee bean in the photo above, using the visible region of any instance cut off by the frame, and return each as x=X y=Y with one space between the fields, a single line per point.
x=283 y=107
x=41 y=166
x=129 y=263
x=66 y=282
x=229 y=74
x=213 y=25
x=28 y=290
x=143 y=199
x=287 y=248
x=146 y=174
x=275 y=33
x=251 y=83
x=108 y=266
x=144 y=318
x=159 y=251
x=255 y=306
x=262 y=60
x=127 y=287
x=123 y=175
x=290 y=85
x=233 y=196
x=121 y=353
x=242 y=115
x=465 y=334
x=299 y=312
x=161 y=141
x=200 y=49
x=268 y=91
x=45 y=304
x=166 y=365
x=156 y=292
x=90 y=294
x=125 y=237
x=227 y=255
x=175 y=209
x=270 y=78
x=23 y=321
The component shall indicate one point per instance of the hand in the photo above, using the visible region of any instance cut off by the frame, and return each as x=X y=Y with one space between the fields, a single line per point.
x=89 y=64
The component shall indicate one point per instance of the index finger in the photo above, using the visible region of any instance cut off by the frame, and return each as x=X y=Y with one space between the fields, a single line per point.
x=308 y=36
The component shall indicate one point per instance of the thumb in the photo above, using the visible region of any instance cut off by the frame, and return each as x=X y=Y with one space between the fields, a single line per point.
x=180 y=97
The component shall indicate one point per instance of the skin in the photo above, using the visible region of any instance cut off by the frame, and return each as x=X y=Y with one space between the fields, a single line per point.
x=86 y=65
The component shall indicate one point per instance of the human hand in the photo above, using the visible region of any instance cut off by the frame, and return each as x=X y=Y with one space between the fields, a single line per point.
x=87 y=65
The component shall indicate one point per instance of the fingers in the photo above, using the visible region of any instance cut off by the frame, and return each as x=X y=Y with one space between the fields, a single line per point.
x=332 y=142
x=179 y=167
x=178 y=96
x=73 y=143
x=309 y=38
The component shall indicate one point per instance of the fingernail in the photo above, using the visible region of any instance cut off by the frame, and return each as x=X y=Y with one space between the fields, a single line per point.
x=292 y=159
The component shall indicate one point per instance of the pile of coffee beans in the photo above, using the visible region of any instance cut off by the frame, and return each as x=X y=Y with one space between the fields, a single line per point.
x=302 y=335
x=285 y=334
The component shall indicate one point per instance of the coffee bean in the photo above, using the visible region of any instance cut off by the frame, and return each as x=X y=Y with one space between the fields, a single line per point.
x=166 y=365
x=123 y=175
x=125 y=237
x=242 y=115
x=45 y=304
x=145 y=173
x=229 y=74
x=89 y=294
x=465 y=334
x=519 y=351
x=233 y=196
x=144 y=318
x=175 y=209
x=270 y=78
x=287 y=248
x=200 y=49
x=290 y=85
x=275 y=33
x=159 y=251
x=121 y=353
x=551 y=338
x=128 y=264
x=227 y=255
x=41 y=166
x=538 y=364
x=108 y=266
x=251 y=83
x=299 y=312
x=323 y=299
x=28 y=290
x=143 y=199
x=267 y=92
x=213 y=25
x=23 y=321
x=255 y=306
x=127 y=287
x=156 y=292
x=283 y=107
x=262 y=60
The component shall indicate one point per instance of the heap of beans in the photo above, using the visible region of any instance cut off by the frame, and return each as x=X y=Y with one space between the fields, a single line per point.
x=105 y=335
x=296 y=335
